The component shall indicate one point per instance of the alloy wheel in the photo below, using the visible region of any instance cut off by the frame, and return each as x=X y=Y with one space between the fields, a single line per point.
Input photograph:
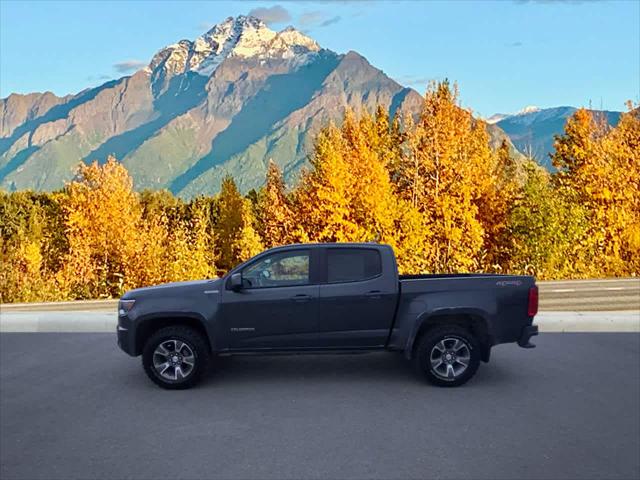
x=173 y=360
x=450 y=358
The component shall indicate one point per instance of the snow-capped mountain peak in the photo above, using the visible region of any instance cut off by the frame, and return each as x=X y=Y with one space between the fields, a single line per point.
x=498 y=117
x=528 y=109
x=241 y=36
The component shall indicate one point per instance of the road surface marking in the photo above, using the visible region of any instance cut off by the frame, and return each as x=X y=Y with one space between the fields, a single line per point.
x=584 y=290
x=604 y=280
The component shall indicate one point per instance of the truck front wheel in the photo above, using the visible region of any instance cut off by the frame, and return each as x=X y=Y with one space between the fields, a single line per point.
x=447 y=355
x=175 y=357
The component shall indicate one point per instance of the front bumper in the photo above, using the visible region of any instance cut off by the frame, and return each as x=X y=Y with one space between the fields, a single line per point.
x=528 y=332
x=126 y=340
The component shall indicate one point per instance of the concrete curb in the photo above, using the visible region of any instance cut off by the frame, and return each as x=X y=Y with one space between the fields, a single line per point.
x=43 y=321
x=620 y=321
x=72 y=306
x=92 y=321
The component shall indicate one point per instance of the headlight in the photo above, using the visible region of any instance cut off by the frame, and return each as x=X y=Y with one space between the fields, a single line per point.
x=125 y=306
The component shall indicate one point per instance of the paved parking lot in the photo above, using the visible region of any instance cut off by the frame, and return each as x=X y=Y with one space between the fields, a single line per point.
x=74 y=406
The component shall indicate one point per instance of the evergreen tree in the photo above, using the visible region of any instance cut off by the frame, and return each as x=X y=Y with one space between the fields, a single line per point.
x=545 y=229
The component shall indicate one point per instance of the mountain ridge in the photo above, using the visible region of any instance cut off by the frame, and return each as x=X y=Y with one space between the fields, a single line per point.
x=224 y=103
x=532 y=130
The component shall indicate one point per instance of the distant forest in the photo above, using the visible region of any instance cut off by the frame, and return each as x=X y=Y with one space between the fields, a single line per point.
x=432 y=188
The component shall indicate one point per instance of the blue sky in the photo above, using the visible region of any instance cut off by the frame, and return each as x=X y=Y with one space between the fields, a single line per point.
x=504 y=54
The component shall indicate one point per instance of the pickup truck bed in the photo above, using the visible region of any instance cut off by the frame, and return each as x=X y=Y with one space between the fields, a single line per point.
x=489 y=299
x=327 y=297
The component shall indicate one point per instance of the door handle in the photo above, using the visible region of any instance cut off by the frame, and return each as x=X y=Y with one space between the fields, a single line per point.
x=374 y=294
x=301 y=298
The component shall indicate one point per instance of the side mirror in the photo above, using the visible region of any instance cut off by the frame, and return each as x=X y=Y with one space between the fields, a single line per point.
x=236 y=282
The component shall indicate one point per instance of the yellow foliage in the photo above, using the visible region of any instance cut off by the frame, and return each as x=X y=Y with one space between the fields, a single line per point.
x=430 y=187
x=102 y=218
x=599 y=168
x=236 y=237
x=190 y=256
x=446 y=172
x=247 y=243
x=277 y=223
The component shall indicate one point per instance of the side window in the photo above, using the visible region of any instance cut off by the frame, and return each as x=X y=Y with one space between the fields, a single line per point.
x=352 y=264
x=283 y=269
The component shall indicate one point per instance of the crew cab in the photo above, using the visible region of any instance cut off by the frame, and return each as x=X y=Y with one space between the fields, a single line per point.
x=311 y=298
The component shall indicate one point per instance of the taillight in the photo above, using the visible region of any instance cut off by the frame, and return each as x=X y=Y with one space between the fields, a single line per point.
x=533 y=301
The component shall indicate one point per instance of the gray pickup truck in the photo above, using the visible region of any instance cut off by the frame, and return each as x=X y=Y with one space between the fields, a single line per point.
x=312 y=298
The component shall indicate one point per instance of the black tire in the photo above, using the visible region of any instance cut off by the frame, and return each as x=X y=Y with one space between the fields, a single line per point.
x=427 y=355
x=195 y=343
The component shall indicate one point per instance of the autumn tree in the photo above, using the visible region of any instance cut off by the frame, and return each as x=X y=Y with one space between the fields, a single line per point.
x=191 y=252
x=162 y=203
x=444 y=173
x=387 y=138
x=495 y=202
x=32 y=243
x=277 y=224
x=598 y=168
x=102 y=216
x=248 y=243
x=623 y=153
x=372 y=145
x=348 y=195
x=236 y=238
x=153 y=264
x=430 y=187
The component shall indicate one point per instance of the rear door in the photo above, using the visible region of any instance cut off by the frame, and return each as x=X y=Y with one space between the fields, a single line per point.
x=278 y=306
x=357 y=300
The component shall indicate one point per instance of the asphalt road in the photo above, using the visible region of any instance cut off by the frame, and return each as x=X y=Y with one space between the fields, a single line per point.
x=590 y=295
x=74 y=406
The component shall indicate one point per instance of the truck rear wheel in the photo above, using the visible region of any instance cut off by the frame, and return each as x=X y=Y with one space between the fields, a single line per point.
x=175 y=358
x=447 y=355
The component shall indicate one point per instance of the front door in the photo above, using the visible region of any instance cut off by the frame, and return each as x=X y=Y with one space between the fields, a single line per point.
x=277 y=308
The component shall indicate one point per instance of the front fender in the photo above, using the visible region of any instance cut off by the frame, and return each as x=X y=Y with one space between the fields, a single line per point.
x=139 y=329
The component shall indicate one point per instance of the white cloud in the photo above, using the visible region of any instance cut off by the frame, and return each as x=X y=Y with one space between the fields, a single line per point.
x=129 y=66
x=330 y=21
x=317 y=19
x=413 y=80
x=91 y=78
x=275 y=14
x=311 y=18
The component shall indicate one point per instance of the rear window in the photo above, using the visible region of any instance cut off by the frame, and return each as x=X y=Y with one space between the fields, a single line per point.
x=352 y=264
